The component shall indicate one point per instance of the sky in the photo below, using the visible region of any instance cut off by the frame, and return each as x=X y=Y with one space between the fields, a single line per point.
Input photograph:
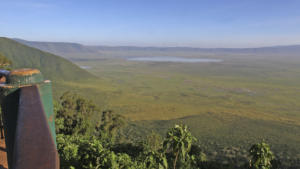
x=195 y=23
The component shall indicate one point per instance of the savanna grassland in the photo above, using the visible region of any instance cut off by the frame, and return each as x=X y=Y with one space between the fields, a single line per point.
x=253 y=95
x=235 y=103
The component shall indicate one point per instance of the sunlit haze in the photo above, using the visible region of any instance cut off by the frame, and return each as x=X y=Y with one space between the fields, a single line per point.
x=196 y=23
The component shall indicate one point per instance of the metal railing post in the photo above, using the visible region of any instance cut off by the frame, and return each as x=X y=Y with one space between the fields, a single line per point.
x=28 y=118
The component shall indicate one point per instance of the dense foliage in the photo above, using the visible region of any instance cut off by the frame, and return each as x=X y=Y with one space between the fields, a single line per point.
x=74 y=115
x=90 y=139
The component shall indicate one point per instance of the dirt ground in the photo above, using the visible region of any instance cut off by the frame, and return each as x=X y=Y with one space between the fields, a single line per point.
x=3 y=160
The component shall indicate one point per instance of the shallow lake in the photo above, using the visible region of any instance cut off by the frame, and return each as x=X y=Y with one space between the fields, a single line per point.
x=174 y=59
x=85 y=67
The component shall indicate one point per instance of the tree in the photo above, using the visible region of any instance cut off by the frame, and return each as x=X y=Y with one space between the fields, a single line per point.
x=261 y=156
x=178 y=143
x=153 y=141
x=80 y=152
x=110 y=125
x=74 y=115
x=198 y=154
x=153 y=155
x=154 y=159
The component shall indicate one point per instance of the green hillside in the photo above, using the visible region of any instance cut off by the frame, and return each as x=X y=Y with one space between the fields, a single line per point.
x=53 y=67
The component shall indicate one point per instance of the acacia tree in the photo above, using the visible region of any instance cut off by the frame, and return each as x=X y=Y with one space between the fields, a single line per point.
x=261 y=156
x=178 y=143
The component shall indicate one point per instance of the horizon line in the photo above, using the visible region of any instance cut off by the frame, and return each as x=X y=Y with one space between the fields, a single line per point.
x=150 y=46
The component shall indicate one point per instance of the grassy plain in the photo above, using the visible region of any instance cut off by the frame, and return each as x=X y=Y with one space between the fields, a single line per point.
x=228 y=106
x=238 y=102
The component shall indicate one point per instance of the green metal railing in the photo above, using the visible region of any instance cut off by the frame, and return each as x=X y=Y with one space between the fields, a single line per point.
x=28 y=120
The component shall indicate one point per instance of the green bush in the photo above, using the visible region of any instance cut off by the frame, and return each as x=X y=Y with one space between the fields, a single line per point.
x=261 y=156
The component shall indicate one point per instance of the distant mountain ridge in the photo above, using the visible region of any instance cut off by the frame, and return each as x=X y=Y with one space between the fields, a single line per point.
x=53 y=67
x=57 y=47
x=74 y=50
x=92 y=47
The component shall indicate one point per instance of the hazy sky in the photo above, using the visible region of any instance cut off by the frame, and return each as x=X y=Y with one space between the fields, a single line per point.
x=197 y=23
